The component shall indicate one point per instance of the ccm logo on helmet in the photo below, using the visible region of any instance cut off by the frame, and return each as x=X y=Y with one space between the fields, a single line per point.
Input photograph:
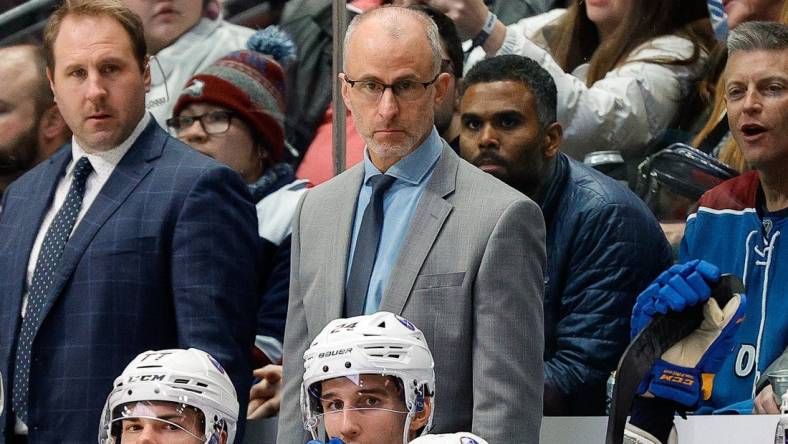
x=146 y=378
x=338 y=352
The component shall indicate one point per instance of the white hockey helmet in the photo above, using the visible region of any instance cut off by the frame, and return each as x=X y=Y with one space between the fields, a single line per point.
x=185 y=378
x=450 y=438
x=379 y=344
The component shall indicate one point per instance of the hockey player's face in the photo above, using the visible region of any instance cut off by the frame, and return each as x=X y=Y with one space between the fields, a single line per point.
x=371 y=411
x=161 y=422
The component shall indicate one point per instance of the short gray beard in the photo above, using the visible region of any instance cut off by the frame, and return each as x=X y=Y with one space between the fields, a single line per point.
x=383 y=150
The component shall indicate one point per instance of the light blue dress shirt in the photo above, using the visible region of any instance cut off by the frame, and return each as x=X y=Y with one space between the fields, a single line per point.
x=412 y=172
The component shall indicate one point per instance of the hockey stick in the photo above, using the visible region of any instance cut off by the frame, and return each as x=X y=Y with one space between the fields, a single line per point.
x=648 y=346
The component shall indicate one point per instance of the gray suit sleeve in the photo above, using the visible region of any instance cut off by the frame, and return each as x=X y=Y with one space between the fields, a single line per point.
x=781 y=363
x=290 y=428
x=508 y=328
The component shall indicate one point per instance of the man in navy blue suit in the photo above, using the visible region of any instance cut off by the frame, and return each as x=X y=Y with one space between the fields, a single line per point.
x=125 y=240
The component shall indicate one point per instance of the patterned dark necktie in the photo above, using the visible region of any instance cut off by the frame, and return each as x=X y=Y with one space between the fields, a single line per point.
x=48 y=261
x=366 y=249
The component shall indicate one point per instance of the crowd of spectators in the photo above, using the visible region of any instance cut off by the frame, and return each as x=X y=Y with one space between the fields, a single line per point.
x=166 y=182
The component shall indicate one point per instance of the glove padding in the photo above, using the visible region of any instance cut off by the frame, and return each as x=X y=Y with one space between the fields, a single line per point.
x=685 y=372
x=680 y=286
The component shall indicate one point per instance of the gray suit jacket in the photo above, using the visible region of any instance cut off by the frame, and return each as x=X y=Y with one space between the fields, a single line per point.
x=469 y=275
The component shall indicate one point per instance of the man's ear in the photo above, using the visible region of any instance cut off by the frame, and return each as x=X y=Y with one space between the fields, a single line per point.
x=146 y=73
x=51 y=78
x=52 y=124
x=421 y=418
x=553 y=135
x=441 y=87
x=52 y=132
x=345 y=88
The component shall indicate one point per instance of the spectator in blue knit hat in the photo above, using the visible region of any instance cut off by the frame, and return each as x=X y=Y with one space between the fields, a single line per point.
x=233 y=111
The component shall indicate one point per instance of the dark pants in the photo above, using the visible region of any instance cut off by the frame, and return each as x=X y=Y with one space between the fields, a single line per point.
x=17 y=439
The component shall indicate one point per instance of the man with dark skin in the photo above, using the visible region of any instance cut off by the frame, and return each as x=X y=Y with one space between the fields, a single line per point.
x=594 y=224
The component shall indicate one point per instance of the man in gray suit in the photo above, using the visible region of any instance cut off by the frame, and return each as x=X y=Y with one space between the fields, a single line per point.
x=433 y=239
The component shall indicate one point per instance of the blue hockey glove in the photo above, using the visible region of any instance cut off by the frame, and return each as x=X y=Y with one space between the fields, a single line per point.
x=330 y=441
x=685 y=372
x=680 y=286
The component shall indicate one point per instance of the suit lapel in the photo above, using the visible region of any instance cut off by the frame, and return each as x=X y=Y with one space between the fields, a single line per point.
x=38 y=203
x=345 y=212
x=428 y=219
x=125 y=177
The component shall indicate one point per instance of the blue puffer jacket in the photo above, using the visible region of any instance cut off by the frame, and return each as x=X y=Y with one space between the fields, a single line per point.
x=603 y=247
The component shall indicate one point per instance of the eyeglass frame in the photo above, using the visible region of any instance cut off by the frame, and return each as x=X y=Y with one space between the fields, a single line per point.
x=230 y=115
x=385 y=86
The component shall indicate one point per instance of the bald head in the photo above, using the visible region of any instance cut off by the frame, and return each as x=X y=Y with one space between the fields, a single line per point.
x=392 y=81
x=395 y=23
x=28 y=64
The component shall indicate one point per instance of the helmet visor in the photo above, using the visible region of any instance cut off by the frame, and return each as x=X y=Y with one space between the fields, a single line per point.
x=368 y=400
x=168 y=421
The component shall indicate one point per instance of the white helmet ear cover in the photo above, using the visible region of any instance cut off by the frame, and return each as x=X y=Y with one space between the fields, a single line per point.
x=191 y=377
x=381 y=343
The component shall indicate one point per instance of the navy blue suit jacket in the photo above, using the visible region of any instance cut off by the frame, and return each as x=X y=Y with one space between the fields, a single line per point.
x=166 y=256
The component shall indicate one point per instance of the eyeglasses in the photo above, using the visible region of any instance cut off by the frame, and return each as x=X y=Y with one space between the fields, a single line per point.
x=214 y=122
x=373 y=90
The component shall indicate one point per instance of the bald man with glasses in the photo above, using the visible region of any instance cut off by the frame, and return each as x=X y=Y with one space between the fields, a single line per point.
x=417 y=231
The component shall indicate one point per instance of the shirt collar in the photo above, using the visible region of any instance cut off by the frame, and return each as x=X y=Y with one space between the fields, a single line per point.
x=414 y=167
x=104 y=162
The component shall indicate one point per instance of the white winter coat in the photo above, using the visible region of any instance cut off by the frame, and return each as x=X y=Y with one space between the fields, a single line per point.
x=626 y=109
x=202 y=45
